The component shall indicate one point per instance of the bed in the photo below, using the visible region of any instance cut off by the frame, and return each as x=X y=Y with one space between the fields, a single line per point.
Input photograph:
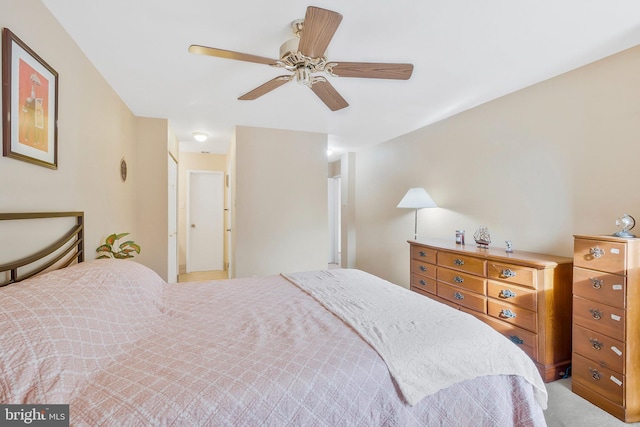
x=323 y=348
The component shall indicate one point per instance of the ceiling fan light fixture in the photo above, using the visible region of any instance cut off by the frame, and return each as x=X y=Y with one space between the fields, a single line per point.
x=303 y=76
x=200 y=136
x=290 y=47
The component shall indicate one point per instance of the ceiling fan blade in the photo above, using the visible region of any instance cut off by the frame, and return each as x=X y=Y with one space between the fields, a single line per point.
x=371 y=70
x=265 y=88
x=329 y=95
x=229 y=54
x=317 y=31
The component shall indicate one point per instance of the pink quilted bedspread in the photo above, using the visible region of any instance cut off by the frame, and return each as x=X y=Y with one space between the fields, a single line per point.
x=242 y=352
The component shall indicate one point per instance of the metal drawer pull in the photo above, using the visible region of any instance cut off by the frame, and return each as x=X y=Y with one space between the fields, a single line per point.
x=507 y=293
x=516 y=339
x=508 y=314
x=508 y=273
x=594 y=374
x=595 y=313
x=423 y=268
x=597 y=345
x=596 y=252
x=458 y=261
x=422 y=253
x=458 y=279
x=422 y=282
x=596 y=283
x=458 y=295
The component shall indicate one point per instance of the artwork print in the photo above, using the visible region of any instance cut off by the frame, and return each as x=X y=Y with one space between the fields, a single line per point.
x=29 y=104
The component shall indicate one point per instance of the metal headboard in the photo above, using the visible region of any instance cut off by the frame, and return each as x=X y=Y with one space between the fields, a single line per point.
x=70 y=247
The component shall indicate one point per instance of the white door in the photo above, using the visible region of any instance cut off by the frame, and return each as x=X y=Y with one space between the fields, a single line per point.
x=172 y=270
x=205 y=221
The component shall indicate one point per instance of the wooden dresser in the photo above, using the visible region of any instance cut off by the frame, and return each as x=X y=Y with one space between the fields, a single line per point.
x=523 y=295
x=606 y=324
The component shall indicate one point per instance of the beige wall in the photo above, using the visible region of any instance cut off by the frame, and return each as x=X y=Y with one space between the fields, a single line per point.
x=152 y=193
x=96 y=130
x=280 y=214
x=536 y=166
x=193 y=161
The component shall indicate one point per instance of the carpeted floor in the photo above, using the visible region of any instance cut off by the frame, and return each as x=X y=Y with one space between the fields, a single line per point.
x=566 y=408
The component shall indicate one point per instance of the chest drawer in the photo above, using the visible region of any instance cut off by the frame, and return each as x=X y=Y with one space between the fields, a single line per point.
x=600 y=255
x=597 y=286
x=463 y=280
x=423 y=283
x=462 y=297
x=526 y=340
x=512 y=273
x=599 y=317
x=600 y=348
x=520 y=296
x=423 y=254
x=604 y=381
x=423 y=268
x=513 y=314
x=463 y=263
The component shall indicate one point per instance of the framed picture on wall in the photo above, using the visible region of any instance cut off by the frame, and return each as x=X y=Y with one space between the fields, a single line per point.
x=29 y=104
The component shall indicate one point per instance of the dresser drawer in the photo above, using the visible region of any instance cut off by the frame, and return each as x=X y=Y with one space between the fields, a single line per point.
x=513 y=314
x=520 y=296
x=463 y=263
x=526 y=340
x=600 y=348
x=599 y=317
x=463 y=280
x=423 y=254
x=513 y=274
x=600 y=255
x=597 y=286
x=423 y=268
x=423 y=283
x=604 y=381
x=462 y=297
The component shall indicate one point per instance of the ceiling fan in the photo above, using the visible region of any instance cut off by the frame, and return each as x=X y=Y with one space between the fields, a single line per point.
x=304 y=56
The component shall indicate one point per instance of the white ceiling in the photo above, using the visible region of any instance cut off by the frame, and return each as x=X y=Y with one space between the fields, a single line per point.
x=465 y=53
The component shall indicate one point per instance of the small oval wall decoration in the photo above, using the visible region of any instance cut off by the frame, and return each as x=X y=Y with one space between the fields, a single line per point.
x=123 y=170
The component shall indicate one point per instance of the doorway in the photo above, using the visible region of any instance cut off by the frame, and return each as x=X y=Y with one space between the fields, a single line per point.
x=205 y=221
x=335 y=204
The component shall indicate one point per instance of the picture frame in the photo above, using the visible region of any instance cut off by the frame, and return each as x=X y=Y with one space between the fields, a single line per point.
x=29 y=104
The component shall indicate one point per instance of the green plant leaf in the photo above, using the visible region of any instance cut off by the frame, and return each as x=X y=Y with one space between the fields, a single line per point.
x=135 y=247
x=121 y=235
x=104 y=257
x=111 y=239
x=126 y=244
x=103 y=248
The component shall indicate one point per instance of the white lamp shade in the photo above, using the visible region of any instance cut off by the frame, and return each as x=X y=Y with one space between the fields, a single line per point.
x=417 y=198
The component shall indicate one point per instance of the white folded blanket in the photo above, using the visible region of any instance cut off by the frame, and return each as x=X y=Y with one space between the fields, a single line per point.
x=427 y=346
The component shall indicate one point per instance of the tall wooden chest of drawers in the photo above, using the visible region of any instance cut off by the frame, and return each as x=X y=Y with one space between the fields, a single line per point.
x=523 y=295
x=606 y=324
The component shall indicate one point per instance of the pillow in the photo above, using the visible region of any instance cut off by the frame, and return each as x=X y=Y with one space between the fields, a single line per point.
x=60 y=327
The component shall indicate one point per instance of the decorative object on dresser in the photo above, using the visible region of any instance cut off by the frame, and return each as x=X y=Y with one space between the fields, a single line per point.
x=482 y=237
x=606 y=323
x=525 y=296
x=626 y=222
x=417 y=198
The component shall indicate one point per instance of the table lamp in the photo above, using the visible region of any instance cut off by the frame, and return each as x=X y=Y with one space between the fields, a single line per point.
x=417 y=198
